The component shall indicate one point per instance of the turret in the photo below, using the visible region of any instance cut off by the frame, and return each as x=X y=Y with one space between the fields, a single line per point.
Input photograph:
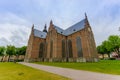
x=32 y=28
x=51 y=26
x=45 y=28
x=86 y=20
x=51 y=22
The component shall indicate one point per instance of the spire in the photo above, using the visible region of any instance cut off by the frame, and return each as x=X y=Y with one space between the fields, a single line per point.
x=32 y=26
x=51 y=26
x=32 y=30
x=86 y=19
x=85 y=15
x=51 y=22
x=45 y=28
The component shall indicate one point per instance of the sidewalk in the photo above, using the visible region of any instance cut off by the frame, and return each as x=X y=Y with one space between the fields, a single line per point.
x=73 y=74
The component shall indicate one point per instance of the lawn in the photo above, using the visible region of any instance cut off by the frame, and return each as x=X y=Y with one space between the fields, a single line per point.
x=103 y=66
x=12 y=71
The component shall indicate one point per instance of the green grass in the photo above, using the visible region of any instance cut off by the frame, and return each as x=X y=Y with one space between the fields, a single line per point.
x=12 y=71
x=104 y=66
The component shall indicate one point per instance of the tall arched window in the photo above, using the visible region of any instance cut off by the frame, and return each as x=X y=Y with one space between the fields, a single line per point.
x=51 y=49
x=63 y=49
x=70 y=48
x=79 y=47
x=45 y=52
x=41 y=50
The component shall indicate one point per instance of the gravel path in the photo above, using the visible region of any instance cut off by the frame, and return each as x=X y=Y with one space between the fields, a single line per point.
x=73 y=74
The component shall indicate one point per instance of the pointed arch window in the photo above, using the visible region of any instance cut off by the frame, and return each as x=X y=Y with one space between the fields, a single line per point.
x=70 y=48
x=63 y=49
x=41 y=50
x=79 y=47
x=45 y=54
x=51 y=48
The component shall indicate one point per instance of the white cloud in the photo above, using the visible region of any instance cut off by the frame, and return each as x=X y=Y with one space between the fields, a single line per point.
x=14 y=30
x=102 y=14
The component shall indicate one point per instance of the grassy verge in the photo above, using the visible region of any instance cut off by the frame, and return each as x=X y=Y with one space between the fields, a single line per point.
x=12 y=71
x=104 y=66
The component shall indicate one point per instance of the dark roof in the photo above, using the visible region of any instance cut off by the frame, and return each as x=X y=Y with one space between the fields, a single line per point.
x=59 y=30
x=76 y=27
x=40 y=34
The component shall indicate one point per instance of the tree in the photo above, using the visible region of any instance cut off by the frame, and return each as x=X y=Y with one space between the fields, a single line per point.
x=110 y=45
x=107 y=47
x=2 y=50
x=100 y=50
x=10 y=51
x=23 y=50
x=20 y=51
x=115 y=43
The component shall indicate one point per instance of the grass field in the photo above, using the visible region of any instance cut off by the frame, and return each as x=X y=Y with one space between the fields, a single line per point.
x=12 y=71
x=104 y=66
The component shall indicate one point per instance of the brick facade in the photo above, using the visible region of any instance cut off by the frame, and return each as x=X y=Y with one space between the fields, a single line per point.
x=76 y=47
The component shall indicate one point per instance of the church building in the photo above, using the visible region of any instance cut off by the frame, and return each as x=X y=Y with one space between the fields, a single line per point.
x=74 y=44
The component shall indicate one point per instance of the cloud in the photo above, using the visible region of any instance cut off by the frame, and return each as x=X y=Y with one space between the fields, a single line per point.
x=16 y=18
x=4 y=41
x=14 y=30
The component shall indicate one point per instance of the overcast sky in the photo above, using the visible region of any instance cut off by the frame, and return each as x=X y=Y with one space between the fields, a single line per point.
x=17 y=17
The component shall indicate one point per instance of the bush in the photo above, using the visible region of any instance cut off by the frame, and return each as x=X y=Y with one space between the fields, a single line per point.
x=112 y=59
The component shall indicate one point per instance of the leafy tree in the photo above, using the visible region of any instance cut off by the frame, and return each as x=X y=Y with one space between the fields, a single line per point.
x=20 y=51
x=101 y=50
x=110 y=45
x=115 y=43
x=10 y=51
x=107 y=47
x=2 y=50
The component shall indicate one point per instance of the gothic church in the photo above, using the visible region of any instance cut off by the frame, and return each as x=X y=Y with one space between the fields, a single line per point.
x=75 y=44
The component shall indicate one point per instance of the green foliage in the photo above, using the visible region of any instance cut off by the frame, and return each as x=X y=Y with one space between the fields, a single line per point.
x=21 y=50
x=10 y=50
x=12 y=71
x=101 y=49
x=115 y=42
x=2 y=50
x=110 y=45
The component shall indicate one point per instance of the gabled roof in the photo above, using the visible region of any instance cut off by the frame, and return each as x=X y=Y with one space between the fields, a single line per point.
x=59 y=30
x=76 y=27
x=40 y=34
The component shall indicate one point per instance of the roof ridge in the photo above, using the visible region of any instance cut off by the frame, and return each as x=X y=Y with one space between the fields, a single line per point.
x=74 y=28
x=39 y=33
x=75 y=24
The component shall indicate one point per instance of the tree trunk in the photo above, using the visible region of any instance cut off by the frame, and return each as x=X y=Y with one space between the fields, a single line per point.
x=9 y=58
x=109 y=56
x=103 y=56
x=117 y=51
x=2 y=59
x=17 y=57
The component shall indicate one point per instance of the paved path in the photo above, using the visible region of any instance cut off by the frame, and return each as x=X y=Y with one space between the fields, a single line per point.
x=73 y=74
